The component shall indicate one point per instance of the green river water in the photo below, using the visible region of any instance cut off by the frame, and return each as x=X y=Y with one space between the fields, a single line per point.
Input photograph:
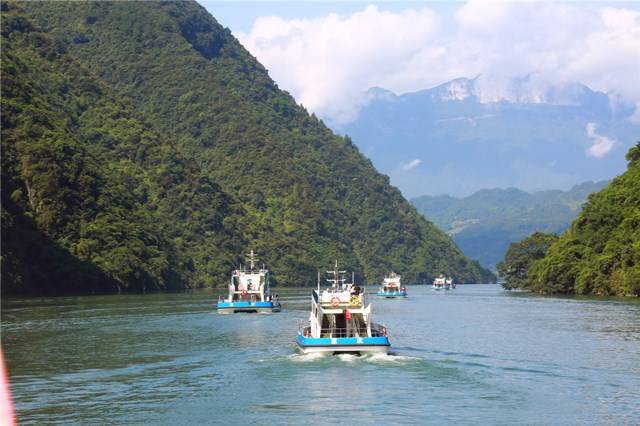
x=473 y=355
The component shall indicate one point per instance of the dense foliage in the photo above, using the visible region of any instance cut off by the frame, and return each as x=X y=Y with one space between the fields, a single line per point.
x=520 y=256
x=600 y=253
x=144 y=147
x=86 y=182
x=486 y=222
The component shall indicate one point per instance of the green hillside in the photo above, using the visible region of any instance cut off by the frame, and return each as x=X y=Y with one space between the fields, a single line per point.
x=485 y=223
x=599 y=254
x=95 y=199
x=143 y=148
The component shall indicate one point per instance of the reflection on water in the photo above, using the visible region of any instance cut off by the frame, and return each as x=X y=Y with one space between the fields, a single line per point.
x=473 y=355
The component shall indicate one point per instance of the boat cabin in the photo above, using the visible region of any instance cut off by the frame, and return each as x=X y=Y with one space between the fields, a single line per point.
x=341 y=321
x=249 y=290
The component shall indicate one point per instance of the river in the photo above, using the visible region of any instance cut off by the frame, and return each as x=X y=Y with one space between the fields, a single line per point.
x=473 y=355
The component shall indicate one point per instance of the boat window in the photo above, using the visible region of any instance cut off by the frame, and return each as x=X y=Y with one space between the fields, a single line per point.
x=337 y=325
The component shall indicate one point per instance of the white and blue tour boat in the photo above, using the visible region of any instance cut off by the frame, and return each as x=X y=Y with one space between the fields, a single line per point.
x=391 y=287
x=249 y=290
x=440 y=283
x=340 y=321
x=450 y=283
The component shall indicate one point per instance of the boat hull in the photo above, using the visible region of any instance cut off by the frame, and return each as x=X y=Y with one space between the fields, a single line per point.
x=343 y=344
x=392 y=295
x=249 y=307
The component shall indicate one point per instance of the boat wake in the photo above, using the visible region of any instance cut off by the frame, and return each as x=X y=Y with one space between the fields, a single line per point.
x=308 y=357
x=348 y=357
x=390 y=358
x=375 y=358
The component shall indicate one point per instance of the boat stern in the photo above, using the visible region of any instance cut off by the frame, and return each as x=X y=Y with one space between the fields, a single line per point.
x=338 y=345
x=247 y=306
x=392 y=294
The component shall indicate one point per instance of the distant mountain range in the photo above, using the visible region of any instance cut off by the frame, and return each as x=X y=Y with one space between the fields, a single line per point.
x=485 y=223
x=469 y=134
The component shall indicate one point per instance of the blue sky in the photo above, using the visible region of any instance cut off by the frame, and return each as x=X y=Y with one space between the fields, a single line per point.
x=239 y=16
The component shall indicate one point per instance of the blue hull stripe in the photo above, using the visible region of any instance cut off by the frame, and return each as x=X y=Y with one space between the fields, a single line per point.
x=236 y=305
x=343 y=341
x=392 y=294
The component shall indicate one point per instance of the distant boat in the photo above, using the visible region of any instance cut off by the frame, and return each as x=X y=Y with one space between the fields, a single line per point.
x=340 y=322
x=249 y=291
x=442 y=283
x=391 y=287
x=449 y=282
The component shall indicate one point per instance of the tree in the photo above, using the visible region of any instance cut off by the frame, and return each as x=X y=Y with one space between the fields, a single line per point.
x=521 y=256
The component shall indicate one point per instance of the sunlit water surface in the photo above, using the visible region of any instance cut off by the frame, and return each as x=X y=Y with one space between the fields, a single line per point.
x=474 y=355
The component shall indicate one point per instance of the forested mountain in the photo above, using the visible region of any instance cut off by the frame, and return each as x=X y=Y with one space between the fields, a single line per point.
x=599 y=254
x=485 y=223
x=470 y=134
x=94 y=198
x=143 y=148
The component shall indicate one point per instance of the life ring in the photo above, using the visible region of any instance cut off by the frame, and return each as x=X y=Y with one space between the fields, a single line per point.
x=355 y=299
x=335 y=301
x=383 y=329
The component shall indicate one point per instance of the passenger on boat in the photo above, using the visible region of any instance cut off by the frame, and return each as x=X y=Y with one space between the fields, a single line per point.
x=356 y=290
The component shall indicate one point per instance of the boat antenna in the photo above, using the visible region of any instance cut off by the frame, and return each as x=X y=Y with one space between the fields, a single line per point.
x=318 y=283
x=252 y=258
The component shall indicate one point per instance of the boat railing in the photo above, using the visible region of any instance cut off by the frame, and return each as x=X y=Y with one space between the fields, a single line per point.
x=248 y=297
x=349 y=332
x=344 y=332
x=378 y=330
x=345 y=299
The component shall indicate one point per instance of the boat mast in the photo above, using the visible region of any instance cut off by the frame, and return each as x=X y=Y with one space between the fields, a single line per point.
x=336 y=276
x=252 y=258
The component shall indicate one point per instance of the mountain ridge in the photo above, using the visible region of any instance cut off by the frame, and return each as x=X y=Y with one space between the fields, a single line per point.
x=515 y=91
x=485 y=223
x=430 y=143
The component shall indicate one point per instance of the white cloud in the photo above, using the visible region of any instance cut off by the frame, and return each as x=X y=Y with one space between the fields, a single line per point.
x=328 y=62
x=411 y=164
x=601 y=145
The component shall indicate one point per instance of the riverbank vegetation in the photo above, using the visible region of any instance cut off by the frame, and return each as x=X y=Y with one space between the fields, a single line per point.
x=599 y=254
